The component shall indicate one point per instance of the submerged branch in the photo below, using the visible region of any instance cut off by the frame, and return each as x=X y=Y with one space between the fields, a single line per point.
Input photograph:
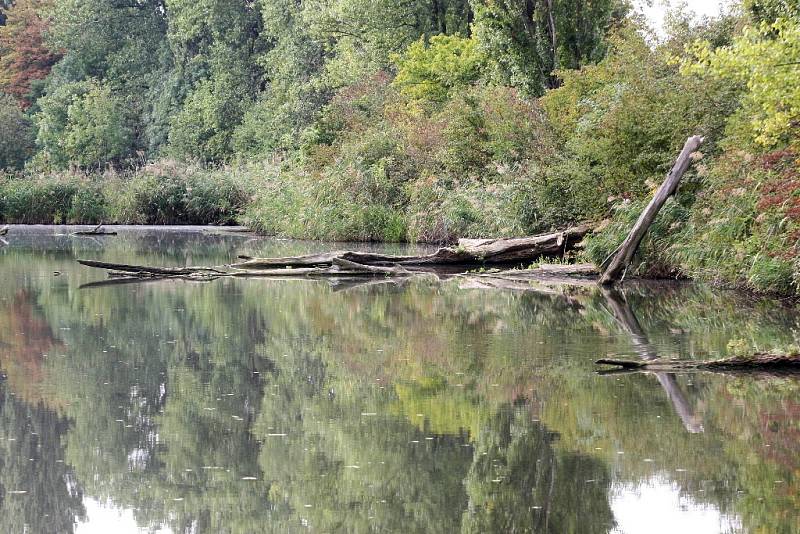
x=756 y=362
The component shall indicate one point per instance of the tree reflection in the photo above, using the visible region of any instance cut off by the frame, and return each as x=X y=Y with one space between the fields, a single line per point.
x=627 y=321
x=247 y=406
x=519 y=482
x=38 y=491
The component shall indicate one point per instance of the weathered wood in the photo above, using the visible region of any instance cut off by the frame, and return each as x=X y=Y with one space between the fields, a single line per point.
x=4 y=230
x=620 y=261
x=345 y=263
x=338 y=268
x=97 y=230
x=756 y=362
x=469 y=252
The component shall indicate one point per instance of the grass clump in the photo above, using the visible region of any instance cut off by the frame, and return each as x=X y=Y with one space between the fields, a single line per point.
x=159 y=193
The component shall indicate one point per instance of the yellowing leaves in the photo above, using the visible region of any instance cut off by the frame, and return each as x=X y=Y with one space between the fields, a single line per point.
x=766 y=59
x=431 y=72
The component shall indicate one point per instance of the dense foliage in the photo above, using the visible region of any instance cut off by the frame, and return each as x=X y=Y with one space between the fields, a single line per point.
x=418 y=120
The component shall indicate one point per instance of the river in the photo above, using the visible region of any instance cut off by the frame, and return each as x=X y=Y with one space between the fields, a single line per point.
x=254 y=405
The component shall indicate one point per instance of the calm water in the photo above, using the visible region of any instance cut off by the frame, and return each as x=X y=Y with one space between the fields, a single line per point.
x=250 y=406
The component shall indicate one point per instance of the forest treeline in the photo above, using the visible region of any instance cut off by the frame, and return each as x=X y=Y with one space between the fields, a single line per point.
x=411 y=120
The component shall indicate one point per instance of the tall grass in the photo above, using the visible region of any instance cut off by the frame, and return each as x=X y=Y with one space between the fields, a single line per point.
x=164 y=192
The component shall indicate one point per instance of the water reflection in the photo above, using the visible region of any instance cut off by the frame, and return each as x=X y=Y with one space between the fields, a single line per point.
x=258 y=405
x=627 y=322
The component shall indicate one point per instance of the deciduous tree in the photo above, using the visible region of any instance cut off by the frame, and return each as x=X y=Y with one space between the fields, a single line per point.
x=526 y=40
x=24 y=57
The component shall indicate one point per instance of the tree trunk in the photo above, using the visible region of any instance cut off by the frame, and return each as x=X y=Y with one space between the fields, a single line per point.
x=620 y=261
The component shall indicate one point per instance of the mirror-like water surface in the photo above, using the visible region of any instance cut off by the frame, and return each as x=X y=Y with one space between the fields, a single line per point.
x=431 y=406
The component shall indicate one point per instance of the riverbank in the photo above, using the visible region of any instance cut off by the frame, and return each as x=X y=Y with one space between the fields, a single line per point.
x=744 y=248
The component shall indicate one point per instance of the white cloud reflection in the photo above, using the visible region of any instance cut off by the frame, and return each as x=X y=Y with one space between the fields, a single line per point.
x=657 y=506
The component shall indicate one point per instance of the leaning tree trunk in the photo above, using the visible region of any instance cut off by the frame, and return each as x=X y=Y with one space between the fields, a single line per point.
x=623 y=257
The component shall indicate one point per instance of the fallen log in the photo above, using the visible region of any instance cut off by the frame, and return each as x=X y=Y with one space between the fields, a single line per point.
x=624 y=254
x=468 y=252
x=4 y=230
x=345 y=263
x=97 y=230
x=756 y=362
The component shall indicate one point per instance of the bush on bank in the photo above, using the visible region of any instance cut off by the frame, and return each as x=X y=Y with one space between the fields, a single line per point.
x=379 y=166
x=161 y=193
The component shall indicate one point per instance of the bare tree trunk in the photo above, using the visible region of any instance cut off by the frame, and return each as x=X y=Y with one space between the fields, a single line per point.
x=552 y=27
x=623 y=257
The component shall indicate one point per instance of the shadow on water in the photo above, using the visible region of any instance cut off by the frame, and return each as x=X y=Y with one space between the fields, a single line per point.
x=427 y=406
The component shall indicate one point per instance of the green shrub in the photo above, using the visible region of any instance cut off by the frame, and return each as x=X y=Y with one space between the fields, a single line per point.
x=34 y=201
x=161 y=193
x=168 y=192
x=158 y=199
x=89 y=205
x=745 y=225
x=623 y=121
x=215 y=198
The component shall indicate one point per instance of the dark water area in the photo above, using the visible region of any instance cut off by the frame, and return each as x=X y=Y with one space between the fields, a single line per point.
x=253 y=405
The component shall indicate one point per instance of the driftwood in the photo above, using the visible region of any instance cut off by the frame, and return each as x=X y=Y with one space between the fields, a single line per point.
x=97 y=230
x=624 y=254
x=468 y=252
x=363 y=264
x=141 y=269
x=756 y=362
x=4 y=230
